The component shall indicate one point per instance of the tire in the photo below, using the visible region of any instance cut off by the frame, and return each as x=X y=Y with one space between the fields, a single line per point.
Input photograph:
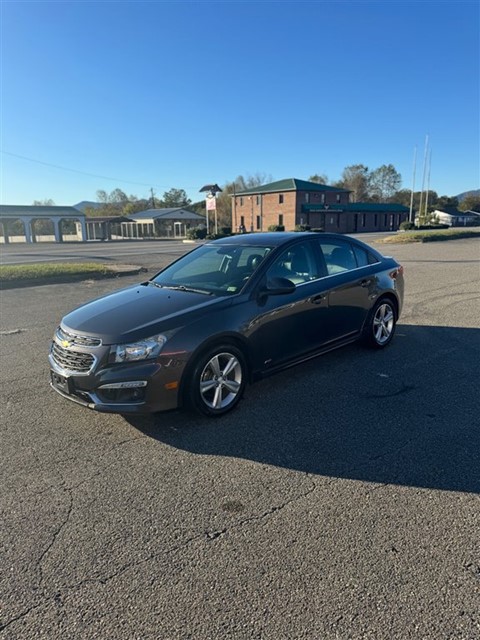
x=380 y=325
x=218 y=381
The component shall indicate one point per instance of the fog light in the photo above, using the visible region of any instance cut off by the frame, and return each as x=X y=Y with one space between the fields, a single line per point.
x=132 y=384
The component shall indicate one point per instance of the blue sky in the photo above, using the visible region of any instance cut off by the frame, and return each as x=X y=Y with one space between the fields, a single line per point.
x=179 y=94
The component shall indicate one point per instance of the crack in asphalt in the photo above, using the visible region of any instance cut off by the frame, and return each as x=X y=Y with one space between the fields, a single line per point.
x=70 y=491
x=209 y=535
x=55 y=536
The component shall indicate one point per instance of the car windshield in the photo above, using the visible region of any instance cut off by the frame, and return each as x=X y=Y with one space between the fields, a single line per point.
x=213 y=269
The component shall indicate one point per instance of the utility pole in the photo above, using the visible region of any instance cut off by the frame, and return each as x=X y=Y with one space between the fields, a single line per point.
x=153 y=197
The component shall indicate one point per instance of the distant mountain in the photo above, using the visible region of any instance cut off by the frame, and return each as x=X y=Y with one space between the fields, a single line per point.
x=462 y=196
x=87 y=204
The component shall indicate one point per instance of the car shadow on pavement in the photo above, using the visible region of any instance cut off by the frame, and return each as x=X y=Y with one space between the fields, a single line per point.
x=406 y=415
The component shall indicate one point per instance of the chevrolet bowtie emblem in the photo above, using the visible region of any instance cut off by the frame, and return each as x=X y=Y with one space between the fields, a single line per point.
x=65 y=343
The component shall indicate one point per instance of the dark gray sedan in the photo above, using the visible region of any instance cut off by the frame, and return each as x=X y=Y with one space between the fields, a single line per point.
x=223 y=315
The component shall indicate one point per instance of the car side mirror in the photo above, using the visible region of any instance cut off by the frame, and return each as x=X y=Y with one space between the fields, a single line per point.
x=277 y=287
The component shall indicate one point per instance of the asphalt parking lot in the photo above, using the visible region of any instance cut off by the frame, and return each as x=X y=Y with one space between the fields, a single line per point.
x=339 y=500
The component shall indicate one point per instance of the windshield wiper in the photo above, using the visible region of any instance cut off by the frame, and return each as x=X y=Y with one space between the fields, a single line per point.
x=182 y=287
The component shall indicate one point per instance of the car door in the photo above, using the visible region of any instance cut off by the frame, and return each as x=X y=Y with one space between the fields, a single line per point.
x=350 y=288
x=287 y=327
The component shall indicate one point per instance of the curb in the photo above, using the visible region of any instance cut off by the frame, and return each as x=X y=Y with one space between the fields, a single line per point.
x=116 y=271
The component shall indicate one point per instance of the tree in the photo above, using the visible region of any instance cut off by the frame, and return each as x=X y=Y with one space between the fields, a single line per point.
x=117 y=196
x=470 y=202
x=355 y=178
x=384 y=182
x=251 y=181
x=320 y=178
x=175 y=198
x=135 y=205
x=224 y=198
x=444 y=201
x=116 y=203
x=102 y=196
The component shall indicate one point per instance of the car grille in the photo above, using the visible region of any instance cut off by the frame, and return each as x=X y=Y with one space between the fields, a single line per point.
x=72 y=361
x=76 y=340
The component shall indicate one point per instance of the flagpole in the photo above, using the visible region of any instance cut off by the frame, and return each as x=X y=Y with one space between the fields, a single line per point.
x=411 y=217
x=423 y=177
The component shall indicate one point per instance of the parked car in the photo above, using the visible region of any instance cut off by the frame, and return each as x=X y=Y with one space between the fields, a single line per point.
x=221 y=316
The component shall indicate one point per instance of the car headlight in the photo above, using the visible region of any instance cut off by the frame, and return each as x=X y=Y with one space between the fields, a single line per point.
x=142 y=350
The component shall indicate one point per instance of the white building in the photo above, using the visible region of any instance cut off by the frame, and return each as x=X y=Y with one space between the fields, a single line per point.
x=455 y=218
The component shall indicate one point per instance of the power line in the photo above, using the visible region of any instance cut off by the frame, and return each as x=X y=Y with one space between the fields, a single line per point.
x=87 y=173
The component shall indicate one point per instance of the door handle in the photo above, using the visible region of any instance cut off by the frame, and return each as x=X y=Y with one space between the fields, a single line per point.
x=319 y=299
x=365 y=283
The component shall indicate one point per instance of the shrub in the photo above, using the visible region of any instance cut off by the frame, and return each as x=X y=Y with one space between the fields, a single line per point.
x=406 y=225
x=318 y=230
x=198 y=233
x=216 y=236
x=276 y=227
x=302 y=227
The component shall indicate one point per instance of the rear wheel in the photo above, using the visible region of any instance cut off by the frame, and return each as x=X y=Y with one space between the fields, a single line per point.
x=380 y=325
x=217 y=381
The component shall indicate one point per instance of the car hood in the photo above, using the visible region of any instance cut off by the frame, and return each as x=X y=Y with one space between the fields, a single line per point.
x=137 y=312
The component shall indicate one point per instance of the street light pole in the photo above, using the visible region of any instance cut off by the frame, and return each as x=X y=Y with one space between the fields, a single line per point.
x=211 y=199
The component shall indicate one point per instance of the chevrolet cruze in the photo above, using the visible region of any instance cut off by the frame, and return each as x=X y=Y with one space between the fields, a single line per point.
x=225 y=314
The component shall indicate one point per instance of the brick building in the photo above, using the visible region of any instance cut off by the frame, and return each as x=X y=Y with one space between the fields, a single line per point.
x=294 y=202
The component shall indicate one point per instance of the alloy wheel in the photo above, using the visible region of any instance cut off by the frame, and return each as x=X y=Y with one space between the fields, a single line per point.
x=383 y=323
x=221 y=381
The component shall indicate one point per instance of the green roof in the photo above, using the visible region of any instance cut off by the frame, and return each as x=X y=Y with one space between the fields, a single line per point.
x=290 y=184
x=361 y=207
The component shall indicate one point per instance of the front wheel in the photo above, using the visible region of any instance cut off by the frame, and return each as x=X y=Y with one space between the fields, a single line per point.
x=380 y=325
x=217 y=381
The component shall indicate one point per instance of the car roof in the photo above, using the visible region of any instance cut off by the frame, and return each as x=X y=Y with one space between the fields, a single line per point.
x=271 y=238
x=281 y=238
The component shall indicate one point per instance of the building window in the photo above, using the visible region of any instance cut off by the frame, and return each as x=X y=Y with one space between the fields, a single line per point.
x=332 y=220
x=241 y=201
x=258 y=200
x=364 y=219
x=322 y=198
x=338 y=220
x=376 y=220
x=280 y=198
x=385 y=220
x=280 y=219
x=307 y=198
x=242 y=221
x=338 y=197
x=259 y=223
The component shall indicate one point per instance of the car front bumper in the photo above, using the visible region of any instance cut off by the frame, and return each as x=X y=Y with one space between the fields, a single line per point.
x=108 y=389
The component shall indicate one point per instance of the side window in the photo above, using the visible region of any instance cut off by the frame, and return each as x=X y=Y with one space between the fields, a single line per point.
x=338 y=256
x=298 y=264
x=361 y=256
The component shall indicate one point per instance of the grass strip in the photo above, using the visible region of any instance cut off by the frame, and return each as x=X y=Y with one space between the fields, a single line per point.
x=49 y=271
x=431 y=236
